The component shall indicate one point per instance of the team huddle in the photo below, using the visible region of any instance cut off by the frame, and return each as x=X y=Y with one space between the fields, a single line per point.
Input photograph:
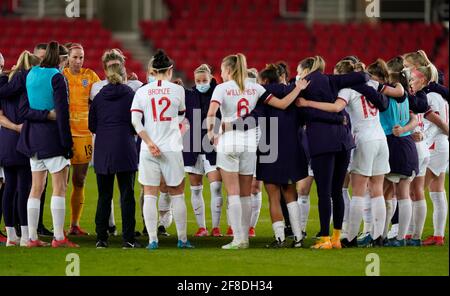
x=381 y=128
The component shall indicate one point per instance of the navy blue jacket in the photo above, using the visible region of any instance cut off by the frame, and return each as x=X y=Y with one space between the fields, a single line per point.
x=197 y=101
x=110 y=120
x=325 y=137
x=46 y=138
x=11 y=95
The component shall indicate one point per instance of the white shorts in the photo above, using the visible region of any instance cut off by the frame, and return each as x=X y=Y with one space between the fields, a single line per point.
x=424 y=158
x=52 y=165
x=243 y=163
x=395 y=178
x=2 y=174
x=201 y=167
x=439 y=157
x=371 y=159
x=170 y=165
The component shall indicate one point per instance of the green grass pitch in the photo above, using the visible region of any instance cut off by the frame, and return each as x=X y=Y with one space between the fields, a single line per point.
x=208 y=259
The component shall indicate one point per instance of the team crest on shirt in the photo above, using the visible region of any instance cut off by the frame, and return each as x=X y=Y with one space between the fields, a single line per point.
x=85 y=82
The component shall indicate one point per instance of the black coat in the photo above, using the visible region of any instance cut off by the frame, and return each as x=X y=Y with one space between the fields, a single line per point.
x=110 y=120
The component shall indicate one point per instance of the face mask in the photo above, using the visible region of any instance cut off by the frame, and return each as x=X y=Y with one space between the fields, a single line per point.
x=252 y=80
x=151 y=79
x=297 y=78
x=203 y=88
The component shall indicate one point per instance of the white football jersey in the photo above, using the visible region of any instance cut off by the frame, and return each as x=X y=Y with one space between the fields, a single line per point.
x=439 y=106
x=97 y=87
x=162 y=103
x=235 y=104
x=364 y=116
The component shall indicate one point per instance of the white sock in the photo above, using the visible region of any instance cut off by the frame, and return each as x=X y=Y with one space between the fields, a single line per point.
x=404 y=217
x=58 y=208
x=295 y=217
x=151 y=217
x=25 y=235
x=180 y=216
x=33 y=208
x=420 y=215
x=367 y=214
x=389 y=214
x=305 y=204
x=256 y=208
x=379 y=216
x=11 y=234
x=246 y=205
x=112 y=221
x=440 y=210
x=412 y=225
x=216 y=203
x=278 y=230
x=357 y=205
x=165 y=210
x=346 y=197
x=235 y=216
x=198 y=204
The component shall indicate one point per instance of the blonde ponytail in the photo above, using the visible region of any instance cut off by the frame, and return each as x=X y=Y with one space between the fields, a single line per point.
x=25 y=61
x=238 y=68
x=115 y=73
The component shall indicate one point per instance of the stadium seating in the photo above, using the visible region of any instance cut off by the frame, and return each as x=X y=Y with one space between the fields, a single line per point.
x=17 y=35
x=206 y=31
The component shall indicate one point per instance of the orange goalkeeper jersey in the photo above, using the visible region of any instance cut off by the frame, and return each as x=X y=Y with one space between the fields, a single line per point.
x=79 y=91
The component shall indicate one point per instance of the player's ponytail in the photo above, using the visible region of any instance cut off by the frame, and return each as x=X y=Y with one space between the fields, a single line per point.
x=312 y=64
x=161 y=63
x=344 y=67
x=379 y=69
x=25 y=61
x=238 y=68
x=51 y=58
x=115 y=73
x=318 y=64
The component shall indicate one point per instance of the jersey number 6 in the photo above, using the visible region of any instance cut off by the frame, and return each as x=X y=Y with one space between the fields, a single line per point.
x=243 y=105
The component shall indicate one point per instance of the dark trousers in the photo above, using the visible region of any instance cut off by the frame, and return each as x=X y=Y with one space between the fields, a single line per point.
x=329 y=172
x=394 y=219
x=1 y=198
x=16 y=193
x=105 y=185
x=284 y=209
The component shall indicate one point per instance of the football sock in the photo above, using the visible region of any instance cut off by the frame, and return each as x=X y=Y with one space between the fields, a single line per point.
x=58 y=208
x=216 y=203
x=198 y=204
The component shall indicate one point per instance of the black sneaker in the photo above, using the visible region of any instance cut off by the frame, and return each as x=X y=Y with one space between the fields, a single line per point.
x=276 y=244
x=112 y=230
x=349 y=244
x=162 y=231
x=101 y=244
x=144 y=231
x=379 y=242
x=137 y=234
x=297 y=244
x=131 y=245
x=44 y=231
